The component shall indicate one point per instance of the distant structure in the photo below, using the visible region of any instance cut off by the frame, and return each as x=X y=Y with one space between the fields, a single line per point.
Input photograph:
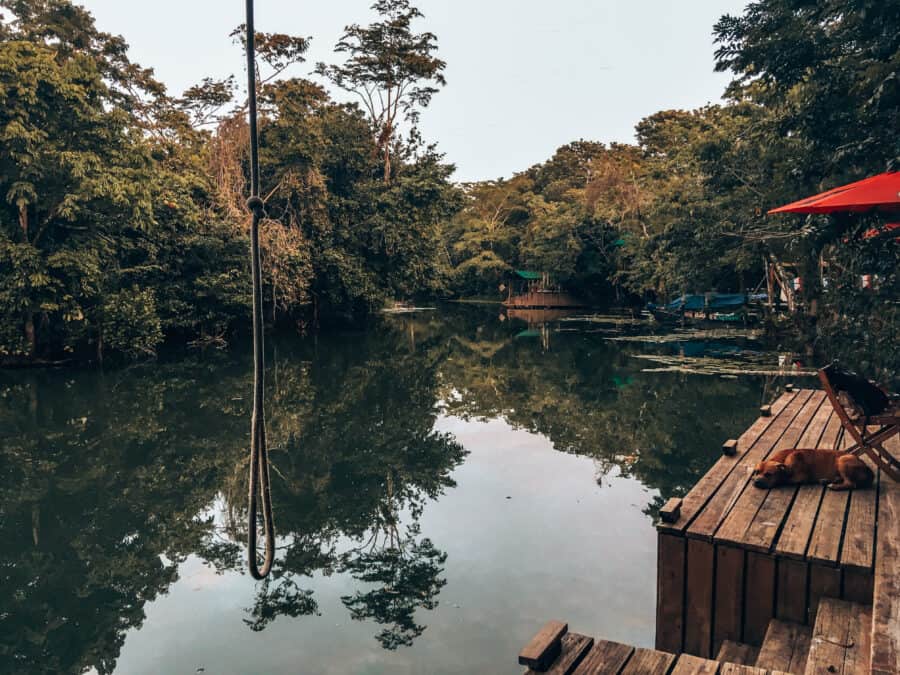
x=533 y=290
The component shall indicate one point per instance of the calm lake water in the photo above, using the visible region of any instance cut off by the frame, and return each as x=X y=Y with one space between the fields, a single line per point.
x=443 y=483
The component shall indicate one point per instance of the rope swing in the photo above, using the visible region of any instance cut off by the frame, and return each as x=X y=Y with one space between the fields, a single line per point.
x=259 y=456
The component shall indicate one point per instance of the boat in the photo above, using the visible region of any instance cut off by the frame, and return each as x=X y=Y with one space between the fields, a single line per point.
x=707 y=307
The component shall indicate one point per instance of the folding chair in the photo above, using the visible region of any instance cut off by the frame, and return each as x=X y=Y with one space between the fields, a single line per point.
x=867 y=406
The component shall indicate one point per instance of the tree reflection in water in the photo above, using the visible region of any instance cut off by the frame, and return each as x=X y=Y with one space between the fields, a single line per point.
x=108 y=481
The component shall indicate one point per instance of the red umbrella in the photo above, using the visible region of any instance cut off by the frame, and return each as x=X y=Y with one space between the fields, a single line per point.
x=881 y=192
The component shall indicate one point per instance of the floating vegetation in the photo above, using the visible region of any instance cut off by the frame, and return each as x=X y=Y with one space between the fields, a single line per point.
x=614 y=319
x=406 y=310
x=751 y=363
x=682 y=335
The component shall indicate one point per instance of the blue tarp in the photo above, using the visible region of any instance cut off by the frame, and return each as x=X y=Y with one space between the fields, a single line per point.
x=720 y=301
x=716 y=302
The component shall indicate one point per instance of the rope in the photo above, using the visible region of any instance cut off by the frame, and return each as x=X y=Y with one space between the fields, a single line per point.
x=259 y=456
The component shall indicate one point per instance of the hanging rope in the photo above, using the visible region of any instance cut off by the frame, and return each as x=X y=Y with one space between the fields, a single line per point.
x=259 y=456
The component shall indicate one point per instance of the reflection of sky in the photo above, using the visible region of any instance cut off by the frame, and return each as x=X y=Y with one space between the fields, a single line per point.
x=559 y=547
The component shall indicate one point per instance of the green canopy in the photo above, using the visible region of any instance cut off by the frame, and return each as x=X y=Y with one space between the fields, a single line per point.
x=531 y=276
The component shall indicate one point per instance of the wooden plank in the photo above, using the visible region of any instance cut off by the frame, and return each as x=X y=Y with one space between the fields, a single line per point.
x=785 y=647
x=857 y=658
x=648 y=662
x=839 y=641
x=728 y=617
x=671 y=510
x=815 y=431
x=885 y=653
x=737 y=652
x=544 y=647
x=825 y=542
x=793 y=541
x=858 y=586
x=604 y=658
x=828 y=532
x=759 y=597
x=699 y=598
x=670 y=573
x=772 y=514
x=751 y=506
x=824 y=582
x=737 y=669
x=694 y=665
x=706 y=487
x=718 y=507
x=794 y=538
x=858 y=551
x=791 y=597
x=573 y=649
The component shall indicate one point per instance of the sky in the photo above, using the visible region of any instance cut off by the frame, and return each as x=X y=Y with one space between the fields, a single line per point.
x=523 y=76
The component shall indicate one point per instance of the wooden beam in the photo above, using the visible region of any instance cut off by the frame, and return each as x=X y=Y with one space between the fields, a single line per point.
x=670 y=571
x=544 y=647
x=699 y=598
x=759 y=599
x=671 y=511
x=886 y=601
x=728 y=617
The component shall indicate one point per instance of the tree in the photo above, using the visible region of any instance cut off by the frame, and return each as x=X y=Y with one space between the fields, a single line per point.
x=826 y=73
x=392 y=69
x=69 y=158
x=829 y=71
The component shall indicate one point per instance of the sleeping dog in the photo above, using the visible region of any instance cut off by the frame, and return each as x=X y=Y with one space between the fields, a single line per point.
x=793 y=466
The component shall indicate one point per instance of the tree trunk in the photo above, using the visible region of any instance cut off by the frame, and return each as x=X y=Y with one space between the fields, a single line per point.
x=30 y=334
x=23 y=221
x=36 y=524
x=386 y=134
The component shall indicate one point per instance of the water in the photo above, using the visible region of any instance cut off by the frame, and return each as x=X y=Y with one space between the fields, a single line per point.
x=443 y=483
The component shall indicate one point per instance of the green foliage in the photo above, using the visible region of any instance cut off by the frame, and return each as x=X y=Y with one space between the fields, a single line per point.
x=392 y=70
x=129 y=322
x=110 y=186
x=815 y=102
x=108 y=183
x=828 y=70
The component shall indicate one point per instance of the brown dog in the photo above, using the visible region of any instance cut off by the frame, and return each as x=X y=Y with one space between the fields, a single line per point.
x=794 y=466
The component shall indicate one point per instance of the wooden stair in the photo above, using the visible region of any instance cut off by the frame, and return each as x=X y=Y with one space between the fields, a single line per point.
x=839 y=644
x=738 y=653
x=841 y=639
x=785 y=647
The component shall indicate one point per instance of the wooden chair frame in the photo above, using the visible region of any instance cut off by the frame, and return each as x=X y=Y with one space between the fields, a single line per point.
x=870 y=443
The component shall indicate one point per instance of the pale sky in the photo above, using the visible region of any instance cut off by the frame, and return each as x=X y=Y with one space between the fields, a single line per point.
x=524 y=76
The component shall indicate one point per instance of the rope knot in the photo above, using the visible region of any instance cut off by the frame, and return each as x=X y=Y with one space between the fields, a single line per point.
x=257 y=206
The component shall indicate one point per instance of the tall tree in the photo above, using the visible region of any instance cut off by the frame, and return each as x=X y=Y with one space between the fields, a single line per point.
x=829 y=71
x=392 y=69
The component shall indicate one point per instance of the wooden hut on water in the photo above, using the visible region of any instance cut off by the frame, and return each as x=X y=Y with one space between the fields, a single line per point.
x=534 y=290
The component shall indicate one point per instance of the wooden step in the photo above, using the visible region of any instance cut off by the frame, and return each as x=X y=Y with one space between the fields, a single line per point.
x=785 y=647
x=841 y=639
x=738 y=653
x=738 y=669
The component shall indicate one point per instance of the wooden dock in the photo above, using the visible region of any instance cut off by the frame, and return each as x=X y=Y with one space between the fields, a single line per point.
x=794 y=579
